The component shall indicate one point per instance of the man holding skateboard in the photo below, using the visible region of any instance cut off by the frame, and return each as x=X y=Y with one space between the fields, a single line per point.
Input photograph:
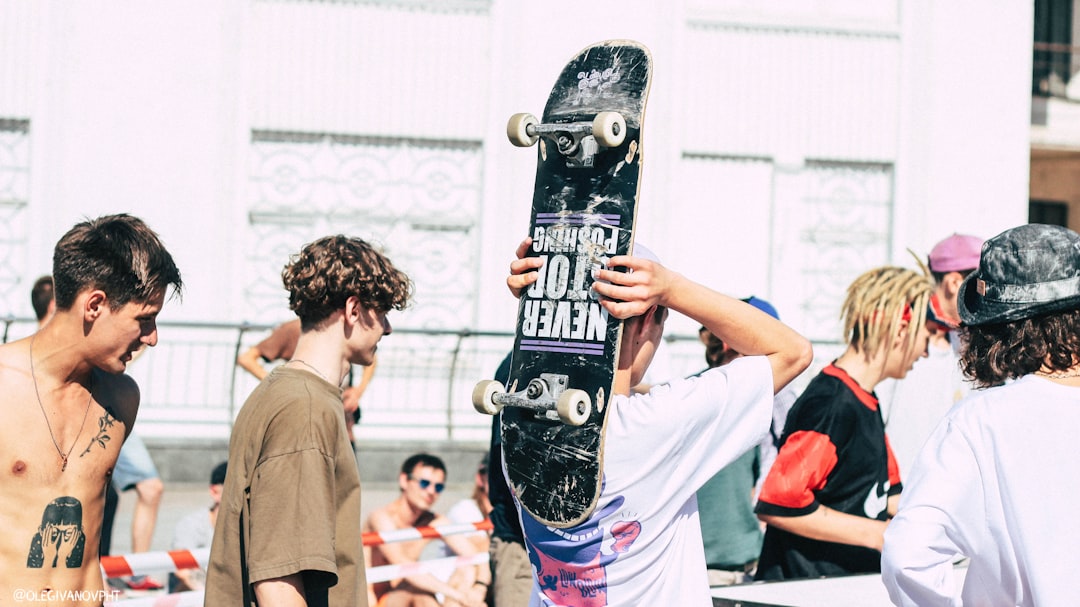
x=641 y=545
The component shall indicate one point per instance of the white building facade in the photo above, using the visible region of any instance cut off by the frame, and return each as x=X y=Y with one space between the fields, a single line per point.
x=788 y=145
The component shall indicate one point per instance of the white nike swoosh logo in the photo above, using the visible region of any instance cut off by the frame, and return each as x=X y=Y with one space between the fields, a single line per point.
x=876 y=504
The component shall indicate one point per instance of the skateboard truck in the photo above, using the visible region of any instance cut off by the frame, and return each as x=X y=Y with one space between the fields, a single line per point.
x=547 y=395
x=579 y=142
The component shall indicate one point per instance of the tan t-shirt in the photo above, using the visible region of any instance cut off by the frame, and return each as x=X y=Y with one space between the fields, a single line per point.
x=291 y=501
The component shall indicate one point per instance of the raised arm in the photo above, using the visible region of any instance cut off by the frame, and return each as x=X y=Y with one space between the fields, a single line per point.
x=249 y=361
x=627 y=294
x=745 y=328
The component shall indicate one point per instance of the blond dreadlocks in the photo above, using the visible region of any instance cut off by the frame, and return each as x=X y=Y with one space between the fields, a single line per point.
x=876 y=303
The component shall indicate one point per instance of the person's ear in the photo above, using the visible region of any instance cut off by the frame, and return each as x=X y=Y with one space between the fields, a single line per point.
x=94 y=304
x=902 y=329
x=354 y=310
x=952 y=282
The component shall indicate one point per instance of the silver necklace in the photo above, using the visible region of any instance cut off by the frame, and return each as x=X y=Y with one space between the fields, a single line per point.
x=306 y=364
x=33 y=375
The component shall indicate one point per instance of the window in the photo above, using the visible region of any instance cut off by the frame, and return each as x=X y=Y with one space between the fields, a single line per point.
x=1050 y=212
x=1053 y=51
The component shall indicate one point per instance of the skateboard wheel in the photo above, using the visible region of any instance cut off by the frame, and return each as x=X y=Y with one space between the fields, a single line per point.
x=574 y=407
x=609 y=129
x=483 y=397
x=517 y=129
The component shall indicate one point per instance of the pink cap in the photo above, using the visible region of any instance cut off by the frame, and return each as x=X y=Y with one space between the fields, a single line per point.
x=956 y=253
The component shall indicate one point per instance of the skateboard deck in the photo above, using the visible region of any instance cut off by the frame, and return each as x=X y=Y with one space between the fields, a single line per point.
x=554 y=408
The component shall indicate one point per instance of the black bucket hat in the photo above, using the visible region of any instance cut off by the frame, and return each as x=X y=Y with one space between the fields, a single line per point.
x=1026 y=271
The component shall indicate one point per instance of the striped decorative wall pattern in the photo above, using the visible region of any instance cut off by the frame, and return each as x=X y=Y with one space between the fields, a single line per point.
x=20 y=35
x=323 y=67
x=791 y=93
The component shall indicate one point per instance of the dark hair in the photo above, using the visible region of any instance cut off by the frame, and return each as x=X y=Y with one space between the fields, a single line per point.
x=118 y=254
x=330 y=270
x=422 y=459
x=940 y=276
x=716 y=351
x=217 y=476
x=996 y=352
x=41 y=295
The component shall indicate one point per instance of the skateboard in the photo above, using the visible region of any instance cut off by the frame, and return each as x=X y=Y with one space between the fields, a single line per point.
x=554 y=408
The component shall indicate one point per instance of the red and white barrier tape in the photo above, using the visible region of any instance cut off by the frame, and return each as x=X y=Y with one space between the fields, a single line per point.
x=143 y=563
x=384 y=573
x=377 y=538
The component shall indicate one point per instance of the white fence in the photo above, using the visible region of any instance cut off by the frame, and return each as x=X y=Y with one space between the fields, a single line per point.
x=192 y=388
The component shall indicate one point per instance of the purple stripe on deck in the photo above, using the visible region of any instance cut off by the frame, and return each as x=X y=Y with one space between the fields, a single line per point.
x=577 y=219
x=538 y=345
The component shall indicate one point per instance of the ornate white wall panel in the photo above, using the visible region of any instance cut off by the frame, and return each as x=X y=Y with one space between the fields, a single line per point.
x=14 y=199
x=371 y=69
x=791 y=94
x=833 y=221
x=419 y=200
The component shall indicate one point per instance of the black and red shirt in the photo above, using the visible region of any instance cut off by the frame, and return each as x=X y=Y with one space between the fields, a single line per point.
x=833 y=453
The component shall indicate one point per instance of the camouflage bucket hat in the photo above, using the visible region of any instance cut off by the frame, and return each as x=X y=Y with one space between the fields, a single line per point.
x=1025 y=271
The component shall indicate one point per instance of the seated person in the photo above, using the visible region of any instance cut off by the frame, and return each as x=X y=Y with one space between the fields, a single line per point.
x=196 y=530
x=422 y=479
x=474 y=509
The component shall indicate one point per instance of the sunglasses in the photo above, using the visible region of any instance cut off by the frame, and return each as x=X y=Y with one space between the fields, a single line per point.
x=425 y=483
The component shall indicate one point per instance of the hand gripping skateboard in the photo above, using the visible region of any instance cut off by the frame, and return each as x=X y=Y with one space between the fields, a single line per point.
x=554 y=409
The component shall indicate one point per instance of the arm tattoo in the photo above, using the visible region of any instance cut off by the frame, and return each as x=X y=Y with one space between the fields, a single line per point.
x=107 y=421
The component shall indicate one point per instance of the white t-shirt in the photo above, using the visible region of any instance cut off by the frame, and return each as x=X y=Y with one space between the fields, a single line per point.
x=995 y=483
x=782 y=403
x=642 y=545
x=917 y=403
x=464 y=511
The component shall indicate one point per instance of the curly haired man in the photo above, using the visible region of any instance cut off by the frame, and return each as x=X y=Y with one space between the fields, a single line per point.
x=994 y=482
x=288 y=528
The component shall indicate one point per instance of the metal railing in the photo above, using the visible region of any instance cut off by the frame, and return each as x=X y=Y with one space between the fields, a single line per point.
x=422 y=388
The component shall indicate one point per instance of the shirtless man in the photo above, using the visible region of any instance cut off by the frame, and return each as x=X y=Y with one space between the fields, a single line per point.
x=69 y=407
x=422 y=479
